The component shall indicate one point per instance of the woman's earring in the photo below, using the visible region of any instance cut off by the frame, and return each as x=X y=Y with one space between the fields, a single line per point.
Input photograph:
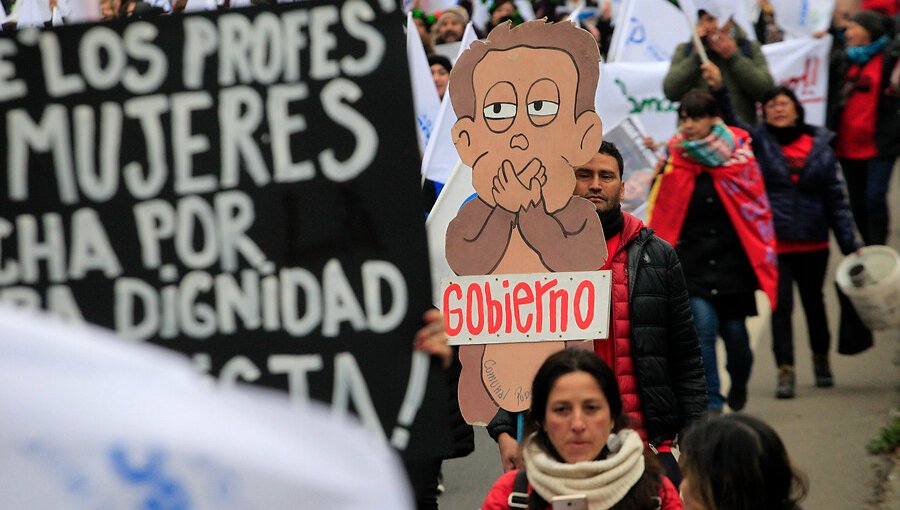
x=614 y=443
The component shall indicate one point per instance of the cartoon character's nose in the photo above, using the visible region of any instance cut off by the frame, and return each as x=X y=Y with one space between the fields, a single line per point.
x=518 y=142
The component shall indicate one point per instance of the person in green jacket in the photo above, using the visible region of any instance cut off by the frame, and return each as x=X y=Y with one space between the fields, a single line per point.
x=743 y=65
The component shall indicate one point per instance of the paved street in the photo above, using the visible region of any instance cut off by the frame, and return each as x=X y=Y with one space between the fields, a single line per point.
x=825 y=430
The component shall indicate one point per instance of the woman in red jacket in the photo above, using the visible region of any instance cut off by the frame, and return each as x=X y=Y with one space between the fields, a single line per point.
x=581 y=445
x=865 y=116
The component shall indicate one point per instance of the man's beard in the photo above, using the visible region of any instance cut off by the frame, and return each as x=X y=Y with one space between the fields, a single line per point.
x=612 y=220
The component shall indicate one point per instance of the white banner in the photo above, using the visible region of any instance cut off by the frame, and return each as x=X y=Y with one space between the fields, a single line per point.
x=636 y=88
x=802 y=65
x=630 y=88
x=426 y=101
x=536 y=307
x=93 y=421
x=800 y=18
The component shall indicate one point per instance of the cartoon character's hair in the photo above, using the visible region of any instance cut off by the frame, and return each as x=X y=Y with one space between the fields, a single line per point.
x=564 y=36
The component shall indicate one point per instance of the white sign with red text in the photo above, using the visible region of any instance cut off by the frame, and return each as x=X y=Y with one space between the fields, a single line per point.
x=802 y=65
x=514 y=308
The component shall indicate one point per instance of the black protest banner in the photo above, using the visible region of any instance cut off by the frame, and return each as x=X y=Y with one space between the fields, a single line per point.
x=238 y=186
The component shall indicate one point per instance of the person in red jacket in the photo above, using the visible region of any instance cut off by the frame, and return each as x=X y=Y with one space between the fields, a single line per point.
x=864 y=115
x=652 y=347
x=581 y=445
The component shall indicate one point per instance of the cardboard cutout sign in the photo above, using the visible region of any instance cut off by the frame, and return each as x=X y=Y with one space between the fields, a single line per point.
x=524 y=99
x=234 y=186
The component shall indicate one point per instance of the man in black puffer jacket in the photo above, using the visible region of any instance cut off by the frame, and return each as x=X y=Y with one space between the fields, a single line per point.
x=653 y=347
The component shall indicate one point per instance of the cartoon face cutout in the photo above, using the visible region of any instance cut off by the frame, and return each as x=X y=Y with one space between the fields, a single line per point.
x=524 y=99
x=524 y=136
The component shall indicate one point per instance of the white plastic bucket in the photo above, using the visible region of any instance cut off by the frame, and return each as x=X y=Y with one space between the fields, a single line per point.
x=877 y=300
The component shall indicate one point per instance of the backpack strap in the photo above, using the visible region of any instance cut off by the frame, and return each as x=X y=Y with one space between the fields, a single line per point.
x=518 y=498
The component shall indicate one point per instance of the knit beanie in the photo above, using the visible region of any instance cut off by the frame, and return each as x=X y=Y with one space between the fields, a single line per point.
x=457 y=11
x=874 y=23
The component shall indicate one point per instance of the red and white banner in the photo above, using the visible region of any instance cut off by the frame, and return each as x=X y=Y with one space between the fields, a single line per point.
x=513 y=308
x=802 y=66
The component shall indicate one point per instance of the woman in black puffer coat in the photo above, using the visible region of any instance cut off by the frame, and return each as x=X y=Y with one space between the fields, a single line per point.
x=808 y=196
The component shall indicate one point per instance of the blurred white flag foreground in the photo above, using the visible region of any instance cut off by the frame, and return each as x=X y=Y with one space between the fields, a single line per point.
x=90 y=421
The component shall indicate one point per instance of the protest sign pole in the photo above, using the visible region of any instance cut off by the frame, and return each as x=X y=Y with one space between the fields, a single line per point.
x=698 y=44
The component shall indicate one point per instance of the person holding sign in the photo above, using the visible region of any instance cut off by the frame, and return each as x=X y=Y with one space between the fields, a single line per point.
x=653 y=348
x=424 y=474
x=808 y=196
x=743 y=65
x=710 y=203
x=581 y=447
x=524 y=99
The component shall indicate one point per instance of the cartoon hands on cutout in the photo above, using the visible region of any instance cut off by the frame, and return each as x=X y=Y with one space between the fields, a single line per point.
x=515 y=191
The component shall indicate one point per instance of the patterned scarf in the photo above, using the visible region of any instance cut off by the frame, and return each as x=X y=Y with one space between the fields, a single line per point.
x=605 y=481
x=712 y=150
x=862 y=54
x=739 y=185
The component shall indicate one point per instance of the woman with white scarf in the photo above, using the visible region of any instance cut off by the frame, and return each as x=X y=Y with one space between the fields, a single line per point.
x=581 y=445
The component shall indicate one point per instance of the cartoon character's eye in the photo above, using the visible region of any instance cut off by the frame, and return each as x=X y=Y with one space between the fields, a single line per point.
x=500 y=111
x=543 y=108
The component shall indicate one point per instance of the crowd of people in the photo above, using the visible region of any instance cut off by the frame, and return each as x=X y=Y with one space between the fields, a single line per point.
x=744 y=199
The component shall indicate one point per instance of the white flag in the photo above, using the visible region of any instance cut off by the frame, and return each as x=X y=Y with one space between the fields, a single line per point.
x=526 y=11
x=799 y=18
x=481 y=14
x=426 y=102
x=650 y=31
x=56 y=18
x=802 y=65
x=93 y=421
x=200 y=5
x=28 y=14
x=457 y=191
x=440 y=154
x=65 y=10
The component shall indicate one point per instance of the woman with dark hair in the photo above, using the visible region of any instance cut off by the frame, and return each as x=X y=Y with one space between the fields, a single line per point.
x=581 y=445
x=737 y=462
x=710 y=203
x=864 y=113
x=807 y=196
